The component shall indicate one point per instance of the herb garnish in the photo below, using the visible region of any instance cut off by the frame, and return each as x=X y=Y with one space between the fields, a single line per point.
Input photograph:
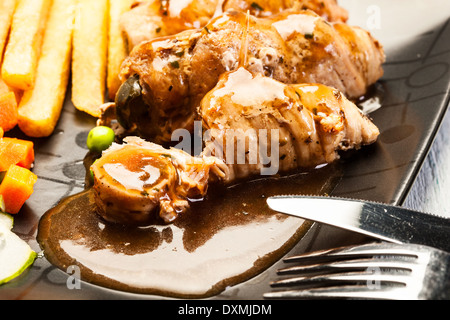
x=256 y=6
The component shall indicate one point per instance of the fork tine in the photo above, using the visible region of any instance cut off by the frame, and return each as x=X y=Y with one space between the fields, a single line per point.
x=355 y=252
x=372 y=271
x=369 y=278
x=352 y=265
x=344 y=292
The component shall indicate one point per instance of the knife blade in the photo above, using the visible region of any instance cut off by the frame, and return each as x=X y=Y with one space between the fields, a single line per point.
x=382 y=221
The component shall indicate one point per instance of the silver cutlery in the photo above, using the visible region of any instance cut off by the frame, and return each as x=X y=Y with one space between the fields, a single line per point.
x=387 y=271
x=381 y=221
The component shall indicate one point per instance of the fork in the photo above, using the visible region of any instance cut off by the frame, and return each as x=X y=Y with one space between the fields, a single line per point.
x=385 y=271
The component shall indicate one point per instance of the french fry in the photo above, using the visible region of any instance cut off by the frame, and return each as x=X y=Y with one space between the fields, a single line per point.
x=23 y=48
x=40 y=108
x=89 y=57
x=7 y=8
x=117 y=50
x=3 y=87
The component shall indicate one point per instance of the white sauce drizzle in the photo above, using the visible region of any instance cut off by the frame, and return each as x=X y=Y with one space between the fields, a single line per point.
x=220 y=20
x=219 y=8
x=163 y=44
x=301 y=23
x=176 y=6
x=247 y=90
x=309 y=89
x=158 y=64
x=132 y=180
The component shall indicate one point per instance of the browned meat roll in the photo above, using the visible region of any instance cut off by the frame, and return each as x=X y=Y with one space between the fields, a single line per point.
x=175 y=73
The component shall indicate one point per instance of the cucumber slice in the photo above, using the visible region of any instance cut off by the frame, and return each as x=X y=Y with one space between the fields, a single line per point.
x=6 y=220
x=15 y=255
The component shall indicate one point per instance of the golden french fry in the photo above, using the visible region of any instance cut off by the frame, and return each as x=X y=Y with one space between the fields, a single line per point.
x=7 y=8
x=40 y=108
x=89 y=57
x=3 y=87
x=117 y=50
x=23 y=48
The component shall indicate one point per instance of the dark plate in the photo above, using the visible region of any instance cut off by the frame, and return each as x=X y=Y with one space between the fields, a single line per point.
x=415 y=92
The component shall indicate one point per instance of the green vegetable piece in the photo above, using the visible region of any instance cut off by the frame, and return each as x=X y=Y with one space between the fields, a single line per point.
x=6 y=221
x=15 y=254
x=256 y=6
x=128 y=99
x=100 y=138
x=175 y=64
x=91 y=172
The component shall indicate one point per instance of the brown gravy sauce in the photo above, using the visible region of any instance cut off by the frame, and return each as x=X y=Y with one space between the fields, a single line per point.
x=223 y=240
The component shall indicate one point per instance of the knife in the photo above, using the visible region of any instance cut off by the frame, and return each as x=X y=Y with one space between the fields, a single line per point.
x=382 y=221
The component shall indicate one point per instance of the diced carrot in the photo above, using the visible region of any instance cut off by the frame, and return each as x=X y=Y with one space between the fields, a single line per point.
x=4 y=88
x=16 y=151
x=8 y=111
x=1 y=132
x=17 y=187
x=25 y=151
x=6 y=159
